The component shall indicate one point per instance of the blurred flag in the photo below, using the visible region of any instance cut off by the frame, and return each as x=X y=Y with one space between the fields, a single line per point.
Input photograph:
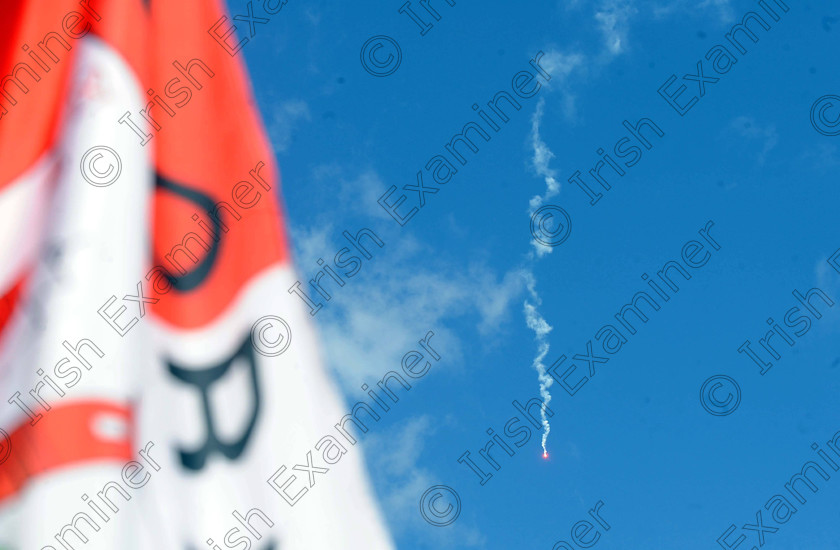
x=144 y=269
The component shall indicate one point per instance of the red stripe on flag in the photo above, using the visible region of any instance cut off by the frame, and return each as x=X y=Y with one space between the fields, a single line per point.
x=8 y=303
x=67 y=435
x=34 y=80
x=123 y=24
x=213 y=147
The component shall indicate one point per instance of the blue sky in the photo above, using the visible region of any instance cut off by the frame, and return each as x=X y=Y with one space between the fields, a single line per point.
x=635 y=436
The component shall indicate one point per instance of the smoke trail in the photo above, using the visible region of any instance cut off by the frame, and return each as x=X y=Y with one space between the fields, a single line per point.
x=541 y=159
x=541 y=329
x=542 y=156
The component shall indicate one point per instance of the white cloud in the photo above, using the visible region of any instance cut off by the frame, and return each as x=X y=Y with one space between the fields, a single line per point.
x=613 y=19
x=725 y=12
x=283 y=119
x=357 y=194
x=823 y=157
x=561 y=66
x=372 y=322
x=311 y=243
x=362 y=193
x=723 y=7
x=394 y=455
x=828 y=280
x=399 y=294
x=749 y=128
x=402 y=292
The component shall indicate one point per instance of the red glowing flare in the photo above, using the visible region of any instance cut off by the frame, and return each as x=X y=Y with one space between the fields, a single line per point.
x=545 y=454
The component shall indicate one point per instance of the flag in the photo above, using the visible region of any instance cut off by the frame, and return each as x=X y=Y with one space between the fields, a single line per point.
x=163 y=388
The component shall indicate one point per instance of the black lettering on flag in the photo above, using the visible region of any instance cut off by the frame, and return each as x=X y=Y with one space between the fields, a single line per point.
x=194 y=278
x=203 y=379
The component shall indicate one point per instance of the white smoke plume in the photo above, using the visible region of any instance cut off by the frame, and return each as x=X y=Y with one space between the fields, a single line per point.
x=541 y=329
x=535 y=321
x=540 y=161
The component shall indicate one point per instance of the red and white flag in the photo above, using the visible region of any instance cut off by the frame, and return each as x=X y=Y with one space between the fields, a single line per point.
x=163 y=389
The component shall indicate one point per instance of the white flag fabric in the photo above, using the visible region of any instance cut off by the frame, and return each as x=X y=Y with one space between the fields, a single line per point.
x=164 y=389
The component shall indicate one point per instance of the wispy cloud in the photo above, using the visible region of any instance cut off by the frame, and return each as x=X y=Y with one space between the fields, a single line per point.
x=723 y=8
x=282 y=121
x=749 y=129
x=823 y=157
x=828 y=280
x=562 y=66
x=371 y=323
x=613 y=17
x=405 y=290
x=395 y=454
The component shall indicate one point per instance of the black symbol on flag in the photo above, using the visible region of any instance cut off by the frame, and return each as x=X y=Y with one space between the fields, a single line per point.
x=203 y=379
x=194 y=278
